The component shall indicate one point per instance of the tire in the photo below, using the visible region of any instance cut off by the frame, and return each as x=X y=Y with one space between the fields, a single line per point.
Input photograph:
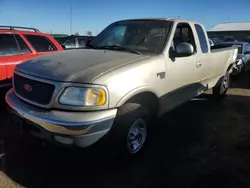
x=220 y=89
x=237 y=73
x=133 y=121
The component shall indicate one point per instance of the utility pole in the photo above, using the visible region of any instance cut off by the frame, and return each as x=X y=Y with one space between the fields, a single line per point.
x=70 y=17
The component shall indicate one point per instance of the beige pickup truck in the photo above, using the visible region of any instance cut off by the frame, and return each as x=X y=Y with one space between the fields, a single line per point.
x=133 y=72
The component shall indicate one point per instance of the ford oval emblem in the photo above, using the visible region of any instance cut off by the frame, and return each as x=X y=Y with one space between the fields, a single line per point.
x=27 y=87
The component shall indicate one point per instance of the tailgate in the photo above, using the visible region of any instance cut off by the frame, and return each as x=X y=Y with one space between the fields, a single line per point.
x=221 y=59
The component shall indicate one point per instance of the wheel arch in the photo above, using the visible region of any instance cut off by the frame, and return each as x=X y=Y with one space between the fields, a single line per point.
x=142 y=95
x=230 y=68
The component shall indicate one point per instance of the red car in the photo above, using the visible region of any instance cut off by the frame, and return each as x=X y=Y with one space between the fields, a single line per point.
x=18 y=44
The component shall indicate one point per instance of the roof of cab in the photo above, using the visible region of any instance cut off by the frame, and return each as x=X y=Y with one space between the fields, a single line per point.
x=163 y=19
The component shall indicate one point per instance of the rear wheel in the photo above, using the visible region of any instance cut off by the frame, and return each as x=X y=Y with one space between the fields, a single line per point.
x=220 y=89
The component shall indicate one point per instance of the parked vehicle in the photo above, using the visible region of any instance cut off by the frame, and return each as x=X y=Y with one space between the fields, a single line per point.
x=133 y=72
x=73 y=41
x=59 y=35
x=211 y=43
x=242 y=61
x=229 y=39
x=17 y=45
x=215 y=40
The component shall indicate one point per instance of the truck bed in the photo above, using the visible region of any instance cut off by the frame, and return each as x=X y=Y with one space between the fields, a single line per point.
x=221 y=47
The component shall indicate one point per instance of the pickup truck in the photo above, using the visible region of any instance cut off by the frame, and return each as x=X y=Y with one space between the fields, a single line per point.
x=18 y=44
x=110 y=93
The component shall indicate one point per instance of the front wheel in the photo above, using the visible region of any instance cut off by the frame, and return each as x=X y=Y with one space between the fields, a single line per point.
x=130 y=131
x=220 y=89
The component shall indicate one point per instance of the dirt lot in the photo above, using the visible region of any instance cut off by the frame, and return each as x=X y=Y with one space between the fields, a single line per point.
x=204 y=143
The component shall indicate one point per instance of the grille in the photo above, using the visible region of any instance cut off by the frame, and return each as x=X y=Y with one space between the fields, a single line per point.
x=32 y=90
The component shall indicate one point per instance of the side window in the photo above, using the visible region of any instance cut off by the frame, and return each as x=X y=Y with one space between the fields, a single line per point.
x=8 y=45
x=202 y=38
x=247 y=49
x=40 y=43
x=183 y=33
x=81 y=42
x=22 y=45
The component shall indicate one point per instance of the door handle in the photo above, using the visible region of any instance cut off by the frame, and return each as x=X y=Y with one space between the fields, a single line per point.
x=198 y=64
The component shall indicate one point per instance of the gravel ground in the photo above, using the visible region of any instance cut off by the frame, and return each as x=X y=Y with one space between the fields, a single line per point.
x=203 y=143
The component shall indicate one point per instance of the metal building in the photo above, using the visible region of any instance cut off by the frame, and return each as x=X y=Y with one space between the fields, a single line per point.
x=238 y=31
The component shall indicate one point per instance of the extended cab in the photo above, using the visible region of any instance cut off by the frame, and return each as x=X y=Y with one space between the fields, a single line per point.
x=18 y=44
x=132 y=72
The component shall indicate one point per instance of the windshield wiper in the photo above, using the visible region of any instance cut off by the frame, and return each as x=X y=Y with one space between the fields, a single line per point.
x=117 y=47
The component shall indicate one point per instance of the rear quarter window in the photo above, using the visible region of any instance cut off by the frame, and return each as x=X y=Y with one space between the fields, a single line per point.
x=8 y=45
x=40 y=43
x=247 y=48
x=202 y=38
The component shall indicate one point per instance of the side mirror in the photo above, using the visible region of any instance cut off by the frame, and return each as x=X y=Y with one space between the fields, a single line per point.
x=184 y=49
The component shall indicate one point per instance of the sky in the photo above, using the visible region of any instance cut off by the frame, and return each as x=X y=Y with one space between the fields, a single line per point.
x=95 y=15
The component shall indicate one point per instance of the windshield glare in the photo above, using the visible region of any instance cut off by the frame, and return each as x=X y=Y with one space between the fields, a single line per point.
x=140 y=35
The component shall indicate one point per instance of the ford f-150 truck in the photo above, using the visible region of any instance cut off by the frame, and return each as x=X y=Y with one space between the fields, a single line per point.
x=18 y=44
x=133 y=72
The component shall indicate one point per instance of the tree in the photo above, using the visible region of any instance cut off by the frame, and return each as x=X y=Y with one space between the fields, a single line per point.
x=89 y=33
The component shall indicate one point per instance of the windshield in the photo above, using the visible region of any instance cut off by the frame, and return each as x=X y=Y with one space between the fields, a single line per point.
x=144 y=36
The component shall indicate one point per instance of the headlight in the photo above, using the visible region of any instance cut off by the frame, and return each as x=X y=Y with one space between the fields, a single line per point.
x=81 y=96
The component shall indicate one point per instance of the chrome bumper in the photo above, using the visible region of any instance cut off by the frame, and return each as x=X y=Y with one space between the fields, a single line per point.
x=84 y=125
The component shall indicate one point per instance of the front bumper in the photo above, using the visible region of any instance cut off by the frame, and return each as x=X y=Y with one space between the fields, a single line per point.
x=72 y=128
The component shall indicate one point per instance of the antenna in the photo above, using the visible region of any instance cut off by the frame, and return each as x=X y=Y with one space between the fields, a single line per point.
x=70 y=17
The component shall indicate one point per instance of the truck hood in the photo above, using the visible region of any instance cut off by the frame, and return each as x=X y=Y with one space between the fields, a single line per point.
x=76 y=65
